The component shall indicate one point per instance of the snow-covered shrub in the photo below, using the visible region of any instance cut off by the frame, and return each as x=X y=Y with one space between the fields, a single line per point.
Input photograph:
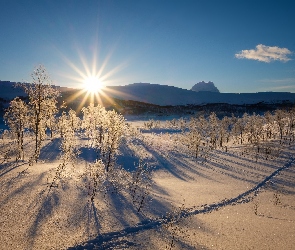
x=151 y=124
x=96 y=178
x=115 y=126
x=140 y=184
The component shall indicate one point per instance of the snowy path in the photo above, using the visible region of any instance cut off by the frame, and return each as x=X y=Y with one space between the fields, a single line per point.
x=105 y=241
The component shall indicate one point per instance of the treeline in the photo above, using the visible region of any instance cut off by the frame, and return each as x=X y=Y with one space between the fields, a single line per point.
x=260 y=134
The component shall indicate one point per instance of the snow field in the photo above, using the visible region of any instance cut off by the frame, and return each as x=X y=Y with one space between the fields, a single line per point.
x=34 y=217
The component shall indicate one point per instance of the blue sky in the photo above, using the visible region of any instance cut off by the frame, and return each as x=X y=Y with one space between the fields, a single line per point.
x=242 y=46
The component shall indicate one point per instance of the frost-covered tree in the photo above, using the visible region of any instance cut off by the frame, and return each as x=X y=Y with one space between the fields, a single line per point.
x=254 y=131
x=42 y=105
x=115 y=124
x=94 y=123
x=239 y=127
x=291 y=122
x=105 y=130
x=280 y=119
x=74 y=120
x=269 y=124
x=140 y=184
x=69 y=147
x=96 y=178
x=192 y=138
x=62 y=124
x=213 y=130
x=224 y=131
x=17 y=119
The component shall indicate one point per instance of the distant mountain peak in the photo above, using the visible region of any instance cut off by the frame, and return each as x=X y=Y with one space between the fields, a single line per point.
x=205 y=86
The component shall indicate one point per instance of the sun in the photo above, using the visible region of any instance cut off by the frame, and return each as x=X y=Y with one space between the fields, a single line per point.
x=92 y=80
x=92 y=84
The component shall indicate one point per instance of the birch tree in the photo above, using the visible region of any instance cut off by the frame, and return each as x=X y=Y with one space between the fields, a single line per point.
x=42 y=105
x=16 y=118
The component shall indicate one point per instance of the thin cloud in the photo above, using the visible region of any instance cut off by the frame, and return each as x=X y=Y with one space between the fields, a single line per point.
x=265 y=53
x=286 y=88
x=284 y=84
x=284 y=80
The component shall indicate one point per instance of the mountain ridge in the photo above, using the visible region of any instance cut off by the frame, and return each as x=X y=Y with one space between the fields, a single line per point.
x=170 y=95
x=167 y=95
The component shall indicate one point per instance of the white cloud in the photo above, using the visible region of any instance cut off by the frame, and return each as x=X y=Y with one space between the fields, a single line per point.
x=265 y=53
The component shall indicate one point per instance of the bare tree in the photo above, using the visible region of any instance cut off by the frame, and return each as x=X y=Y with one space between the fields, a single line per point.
x=42 y=105
x=16 y=118
x=280 y=119
x=115 y=129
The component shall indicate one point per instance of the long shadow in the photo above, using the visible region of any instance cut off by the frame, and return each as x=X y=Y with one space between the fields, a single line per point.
x=247 y=159
x=173 y=164
x=88 y=154
x=232 y=172
x=161 y=131
x=92 y=215
x=155 y=223
x=51 y=151
x=223 y=162
x=9 y=166
x=15 y=179
x=161 y=162
x=120 y=207
x=242 y=161
x=196 y=168
x=127 y=158
x=21 y=189
x=284 y=183
x=47 y=206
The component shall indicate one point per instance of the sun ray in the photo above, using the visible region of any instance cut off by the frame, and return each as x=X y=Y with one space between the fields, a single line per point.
x=92 y=79
x=84 y=100
x=84 y=63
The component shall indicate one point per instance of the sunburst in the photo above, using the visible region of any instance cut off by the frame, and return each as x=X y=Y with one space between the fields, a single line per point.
x=92 y=80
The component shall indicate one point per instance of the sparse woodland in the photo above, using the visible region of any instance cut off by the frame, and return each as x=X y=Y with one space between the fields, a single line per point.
x=92 y=148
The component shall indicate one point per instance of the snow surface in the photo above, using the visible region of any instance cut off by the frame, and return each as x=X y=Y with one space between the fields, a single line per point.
x=218 y=199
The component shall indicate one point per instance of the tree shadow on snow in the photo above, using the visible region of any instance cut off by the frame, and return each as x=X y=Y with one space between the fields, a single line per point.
x=46 y=208
x=176 y=164
x=9 y=166
x=88 y=154
x=51 y=151
x=19 y=190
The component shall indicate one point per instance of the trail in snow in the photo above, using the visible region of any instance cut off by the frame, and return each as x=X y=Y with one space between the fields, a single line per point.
x=104 y=241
